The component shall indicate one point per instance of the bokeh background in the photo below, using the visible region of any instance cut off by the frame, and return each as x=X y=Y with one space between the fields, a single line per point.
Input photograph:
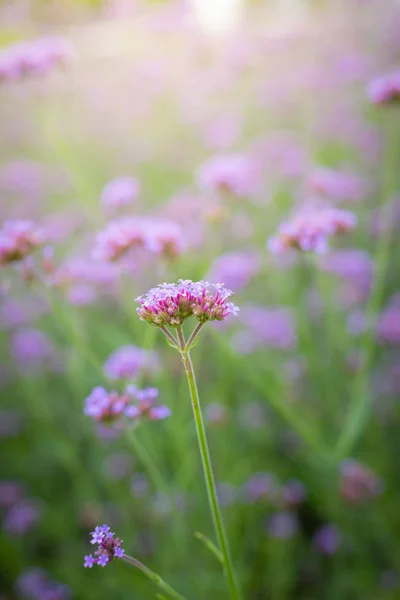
x=300 y=391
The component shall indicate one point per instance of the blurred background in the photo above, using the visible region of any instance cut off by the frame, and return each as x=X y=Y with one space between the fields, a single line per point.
x=151 y=141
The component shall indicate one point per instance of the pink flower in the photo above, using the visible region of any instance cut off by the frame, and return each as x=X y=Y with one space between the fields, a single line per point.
x=358 y=482
x=160 y=237
x=120 y=192
x=337 y=185
x=107 y=407
x=129 y=361
x=18 y=239
x=236 y=174
x=310 y=231
x=384 y=89
x=173 y=303
x=235 y=269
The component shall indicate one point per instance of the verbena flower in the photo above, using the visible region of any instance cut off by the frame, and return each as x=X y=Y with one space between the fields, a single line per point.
x=18 y=239
x=233 y=173
x=109 y=406
x=337 y=185
x=173 y=303
x=129 y=361
x=108 y=547
x=327 y=539
x=235 y=269
x=384 y=89
x=120 y=236
x=35 y=57
x=282 y=525
x=358 y=483
x=120 y=192
x=310 y=231
x=35 y=584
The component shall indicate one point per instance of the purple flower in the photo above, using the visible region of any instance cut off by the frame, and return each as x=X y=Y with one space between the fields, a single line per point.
x=109 y=547
x=18 y=239
x=271 y=327
x=21 y=517
x=236 y=174
x=310 y=231
x=129 y=361
x=120 y=192
x=35 y=57
x=261 y=486
x=293 y=492
x=160 y=237
x=173 y=303
x=327 y=539
x=89 y=561
x=282 y=525
x=235 y=269
x=358 y=483
x=337 y=185
x=107 y=407
x=384 y=89
x=31 y=347
x=388 y=328
x=10 y=492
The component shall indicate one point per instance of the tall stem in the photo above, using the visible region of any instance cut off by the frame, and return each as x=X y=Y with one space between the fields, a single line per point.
x=209 y=477
x=361 y=398
x=154 y=577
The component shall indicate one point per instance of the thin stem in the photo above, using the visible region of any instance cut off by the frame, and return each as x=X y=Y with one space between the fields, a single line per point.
x=361 y=394
x=154 y=577
x=171 y=338
x=193 y=336
x=209 y=476
x=181 y=338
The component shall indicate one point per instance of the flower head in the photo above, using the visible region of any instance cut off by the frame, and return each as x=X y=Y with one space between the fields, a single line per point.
x=107 y=407
x=233 y=173
x=173 y=303
x=384 y=89
x=120 y=236
x=128 y=361
x=358 y=483
x=310 y=231
x=108 y=547
x=119 y=192
x=18 y=239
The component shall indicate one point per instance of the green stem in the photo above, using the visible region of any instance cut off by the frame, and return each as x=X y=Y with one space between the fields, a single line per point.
x=208 y=473
x=361 y=394
x=154 y=577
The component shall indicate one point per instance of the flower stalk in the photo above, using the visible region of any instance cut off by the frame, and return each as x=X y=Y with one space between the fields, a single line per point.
x=154 y=577
x=207 y=466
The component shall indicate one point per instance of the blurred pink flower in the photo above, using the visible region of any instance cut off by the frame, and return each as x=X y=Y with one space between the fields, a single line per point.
x=384 y=89
x=235 y=269
x=310 y=230
x=236 y=174
x=120 y=192
x=337 y=185
x=18 y=239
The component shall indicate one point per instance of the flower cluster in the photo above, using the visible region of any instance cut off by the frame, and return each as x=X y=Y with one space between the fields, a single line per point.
x=159 y=237
x=119 y=192
x=36 y=57
x=310 y=231
x=128 y=361
x=337 y=185
x=233 y=173
x=107 y=407
x=18 y=239
x=358 y=483
x=35 y=584
x=172 y=303
x=384 y=89
x=21 y=513
x=109 y=547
